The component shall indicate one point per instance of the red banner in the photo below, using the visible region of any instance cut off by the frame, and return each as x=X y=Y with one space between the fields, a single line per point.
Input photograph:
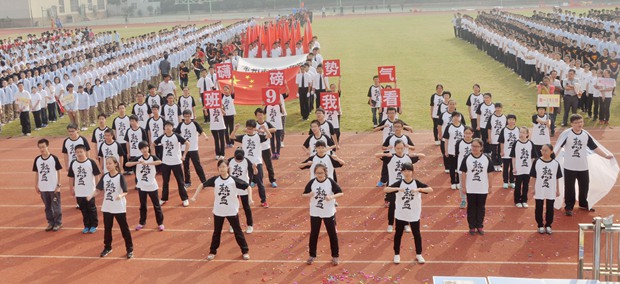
x=331 y=67
x=249 y=85
x=212 y=99
x=390 y=97
x=271 y=96
x=224 y=71
x=330 y=101
x=387 y=73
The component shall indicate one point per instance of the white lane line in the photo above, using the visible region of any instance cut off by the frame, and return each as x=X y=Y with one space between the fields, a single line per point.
x=374 y=207
x=280 y=261
x=305 y=231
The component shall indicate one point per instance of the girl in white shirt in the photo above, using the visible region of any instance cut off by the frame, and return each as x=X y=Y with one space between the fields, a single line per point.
x=114 y=206
x=546 y=170
x=36 y=102
x=323 y=192
x=408 y=209
x=228 y=108
x=476 y=169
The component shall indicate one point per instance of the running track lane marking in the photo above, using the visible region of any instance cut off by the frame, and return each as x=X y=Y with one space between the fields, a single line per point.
x=287 y=207
x=306 y=231
x=281 y=261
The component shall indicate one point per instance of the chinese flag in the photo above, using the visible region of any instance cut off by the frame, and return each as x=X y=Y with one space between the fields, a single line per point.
x=249 y=85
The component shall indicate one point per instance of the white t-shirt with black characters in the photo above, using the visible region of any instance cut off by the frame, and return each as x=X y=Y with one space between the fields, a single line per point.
x=311 y=142
x=155 y=100
x=388 y=129
x=265 y=145
x=134 y=137
x=507 y=137
x=453 y=134
x=575 y=147
x=408 y=203
x=143 y=112
x=98 y=136
x=391 y=140
x=485 y=111
x=68 y=146
x=146 y=173
x=225 y=191
x=190 y=131
x=523 y=153
x=171 y=113
x=216 y=119
x=187 y=103
x=47 y=172
x=120 y=124
x=445 y=119
x=156 y=128
x=477 y=171
x=436 y=100
x=462 y=149
x=242 y=170
x=84 y=174
x=228 y=104
x=374 y=93
x=112 y=187
x=113 y=149
x=319 y=205
x=546 y=174
x=473 y=102
x=327 y=160
x=394 y=166
x=540 y=131
x=496 y=123
x=172 y=148
x=251 y=145
x=274 y=116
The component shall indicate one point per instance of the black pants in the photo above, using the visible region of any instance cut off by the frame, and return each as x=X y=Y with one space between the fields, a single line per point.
x=24 y=120
x=44 y=118
x=588 y=104
x=435 y=130
x=37 y=118
x=538 y=212
x=315 y=229
x=521 y=188
x=178 y=175
x=570 y=104
x=538 y=149
x=195 y=158
x=304 y=106
x=219 y=138
x=596 y=106
x=51 y=112
x=108 y=222
x=476 y=208
x=267 y=161
x=417 y=237
x=159 y=152
x=89 y=212
x=484 y=134
x=454 y=175
x=442 y=147
x=507 y=171
x=474 y=125
x=391 y=198
x=495 y=154
x=258 y=179
x=245 y=201
x=229 y=121
x=124 y=167
x=605 y=105
x=317 y=97
x=183 y=83
x=154 y=196
x=53 y=211
x=218 y=223
x=276 y=141
x=384 y=171
x=583 y=178
x=375 y=120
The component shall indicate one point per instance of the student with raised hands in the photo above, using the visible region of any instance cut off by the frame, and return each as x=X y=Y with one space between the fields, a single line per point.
x=147 y=184
x=225 y=207
x=408 y=208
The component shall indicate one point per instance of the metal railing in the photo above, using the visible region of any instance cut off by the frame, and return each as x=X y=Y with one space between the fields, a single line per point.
x=609 y=264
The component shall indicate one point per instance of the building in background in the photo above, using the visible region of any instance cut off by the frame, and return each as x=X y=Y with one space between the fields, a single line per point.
x=16 y=13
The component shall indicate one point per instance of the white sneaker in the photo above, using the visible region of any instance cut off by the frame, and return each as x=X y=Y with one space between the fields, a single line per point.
x=446 y=171
x=162 y=202
x=230 y=229
x=210 y=256
x=281 y=144
x=408 y=229
x=453 y=186
x=458 y=186
x=519 y=205
x=549 y=231
x=249 y=230
x=185 y=203
x=525 y=205
x=397 y=259
x=420 y=259
x=390 y=229
x=512 y=185
x=246 y=256
x=541 y=230
x=437 y=143
x=505 y=184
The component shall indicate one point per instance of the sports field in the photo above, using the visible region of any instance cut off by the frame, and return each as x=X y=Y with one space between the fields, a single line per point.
x=425 y=52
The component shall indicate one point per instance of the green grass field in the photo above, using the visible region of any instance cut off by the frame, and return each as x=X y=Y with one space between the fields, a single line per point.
x=425 y=52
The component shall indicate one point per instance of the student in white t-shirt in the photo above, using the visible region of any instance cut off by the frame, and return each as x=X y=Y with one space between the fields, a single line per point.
x=47 y=168
x=171 y=161
x=408 y=193
x=495 y=124
x=540 y=129
x=485 y=111
x=462 y=149
x=547 y=172
x=225 y=207
x=74 y=139
x=114 y=206
x=452 y=133
x=507 y=137
x=242 y=168
x=476 y=169
x=252 y=145
x=276 y=116
x=436 y=100
x=523 y=152
x=167 y=86
x=84 y=173
x=147 y=184
x=228 y=108
x=190 y=130
x=316 y=135
x=322 y=192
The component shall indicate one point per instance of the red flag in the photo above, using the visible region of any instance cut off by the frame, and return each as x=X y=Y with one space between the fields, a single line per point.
x=248 y=85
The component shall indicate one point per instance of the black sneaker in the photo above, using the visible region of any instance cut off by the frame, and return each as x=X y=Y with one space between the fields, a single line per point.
x=49 y=228
x=130 y=255
x=57 y=227
x=586 y=208
x=105 y=252
x=568 y=213
x=188 y=184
